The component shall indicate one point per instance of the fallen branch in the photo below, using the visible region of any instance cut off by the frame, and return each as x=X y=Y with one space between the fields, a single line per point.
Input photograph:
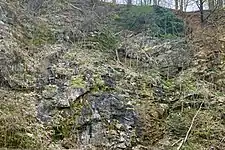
x=176 y=142
x=189 y=130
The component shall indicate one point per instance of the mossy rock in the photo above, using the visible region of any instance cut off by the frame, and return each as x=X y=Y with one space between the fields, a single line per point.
x=99 y=83
x=78 y=82
x=22 y=81
x=64 y=72
x=65 y=124
x=50 y=91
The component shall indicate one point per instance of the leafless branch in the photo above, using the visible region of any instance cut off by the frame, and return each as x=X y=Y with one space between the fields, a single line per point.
x=189 y=130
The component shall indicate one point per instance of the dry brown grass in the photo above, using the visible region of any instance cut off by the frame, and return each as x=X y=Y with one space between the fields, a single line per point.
x=18 y=125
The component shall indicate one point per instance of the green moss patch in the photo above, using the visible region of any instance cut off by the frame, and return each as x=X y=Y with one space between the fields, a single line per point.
x=77 y=82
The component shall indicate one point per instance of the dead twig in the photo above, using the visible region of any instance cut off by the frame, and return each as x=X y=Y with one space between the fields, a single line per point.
x=176 y=142
x=189 y=130
x=77 y=8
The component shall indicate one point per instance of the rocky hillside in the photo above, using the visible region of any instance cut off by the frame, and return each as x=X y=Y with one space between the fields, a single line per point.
x=85 y=75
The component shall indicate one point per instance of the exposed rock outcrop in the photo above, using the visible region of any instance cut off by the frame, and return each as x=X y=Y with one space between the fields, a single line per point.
x=169 y=56
x=72 y=77
x=107 y=122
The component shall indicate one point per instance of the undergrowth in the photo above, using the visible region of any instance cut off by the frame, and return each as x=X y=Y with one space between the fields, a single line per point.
x=19 y=128
x=155 y=20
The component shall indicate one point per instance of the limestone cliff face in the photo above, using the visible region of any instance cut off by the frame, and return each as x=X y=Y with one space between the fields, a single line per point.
x=70 y=80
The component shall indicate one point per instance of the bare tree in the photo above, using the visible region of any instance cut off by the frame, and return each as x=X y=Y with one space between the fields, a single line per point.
x=211 y=4
x=200 y=5
x=181 y=5
x=186 y=3
x=176 y=4
x=220 y=3
x=129 y=2
x=155 y=2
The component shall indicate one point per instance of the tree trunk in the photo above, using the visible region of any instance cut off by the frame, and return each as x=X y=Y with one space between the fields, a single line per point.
x=145 y=2
x=158 y=2
x=185 y=5
x=154 y=2
x=201 y=10
x=211 y=4
x=181 y=5
x=129 y=2
x=176 y=4
x=220 y=3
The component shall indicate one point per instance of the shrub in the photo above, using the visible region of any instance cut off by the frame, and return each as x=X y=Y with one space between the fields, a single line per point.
x=156 y=20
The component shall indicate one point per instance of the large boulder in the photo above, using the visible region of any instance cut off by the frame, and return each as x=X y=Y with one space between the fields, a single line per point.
x=107 y=121
x=169 y=56
x=172 y=57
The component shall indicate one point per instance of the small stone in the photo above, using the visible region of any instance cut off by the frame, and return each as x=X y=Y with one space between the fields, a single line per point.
x=63 y=103
x=73 y=94
x=113 y=132
x=119 y=126
x=122 y=134
x=43 y=112
x=128 y=127
x=96 y=115
x=122 y=146
x=122 y=139
x=163 y=110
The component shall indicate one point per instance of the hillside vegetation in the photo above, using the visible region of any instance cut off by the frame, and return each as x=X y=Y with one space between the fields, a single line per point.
x=76 y=74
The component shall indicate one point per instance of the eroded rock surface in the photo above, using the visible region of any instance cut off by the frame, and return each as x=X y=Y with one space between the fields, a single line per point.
x=107 y=121
x=82 y=94
x=169 y=56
